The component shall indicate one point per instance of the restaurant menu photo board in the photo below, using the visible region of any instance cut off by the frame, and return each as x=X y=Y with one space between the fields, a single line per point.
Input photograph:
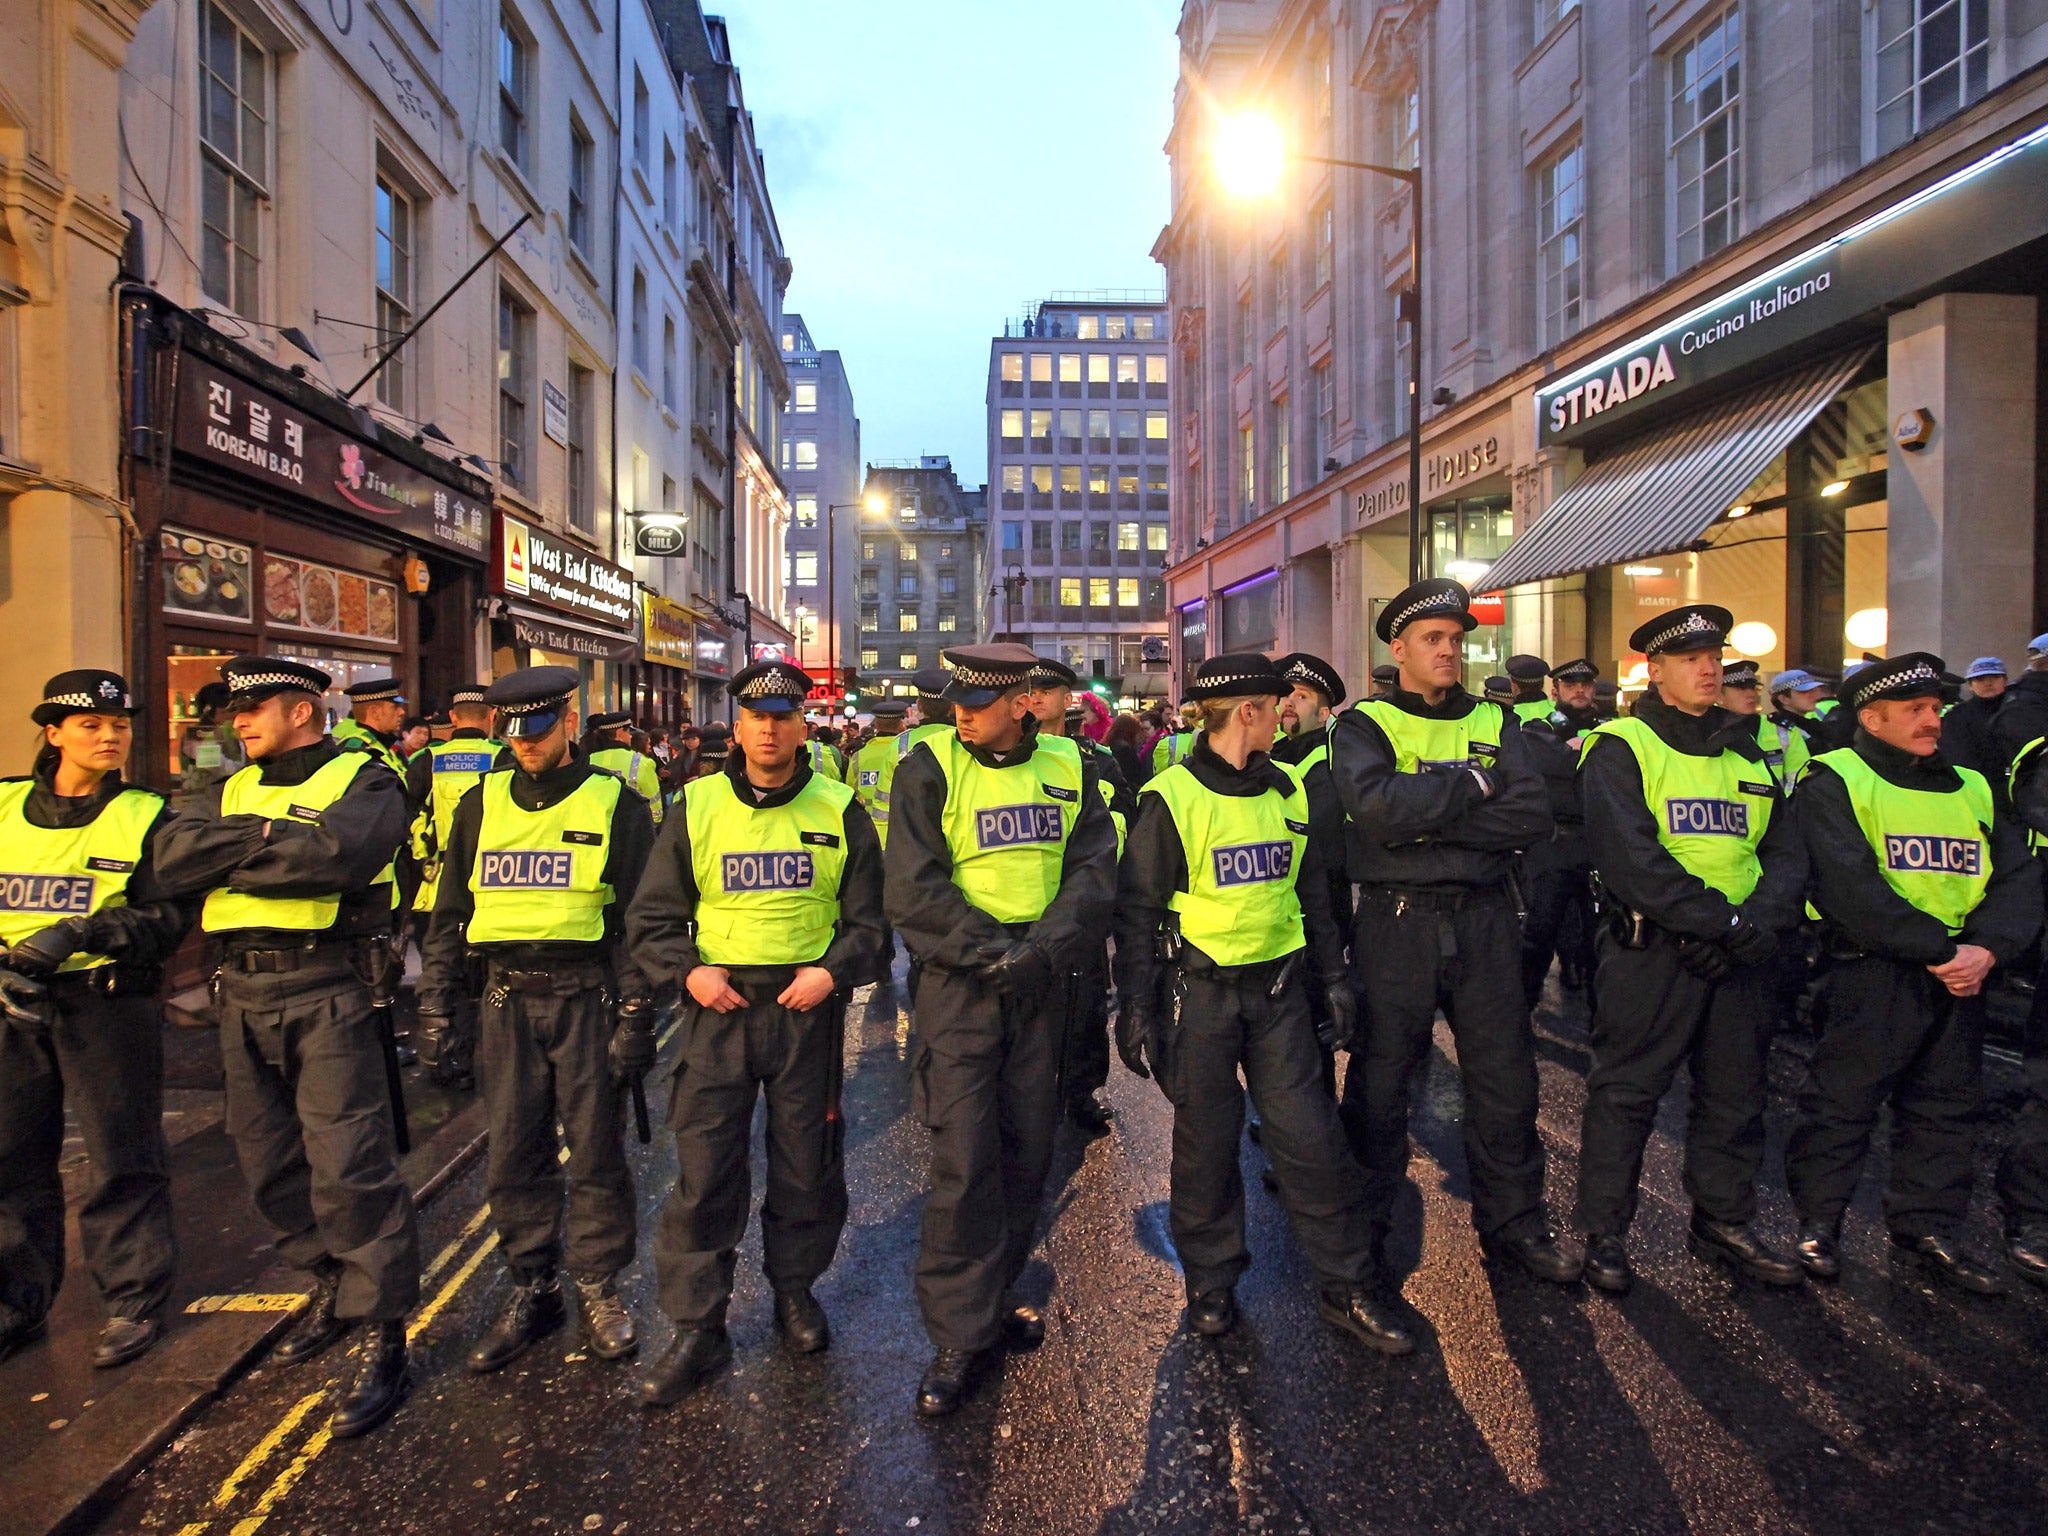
x=298 y=594
x=205 y=577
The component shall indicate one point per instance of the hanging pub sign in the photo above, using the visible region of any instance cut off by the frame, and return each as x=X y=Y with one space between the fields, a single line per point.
x=658 y=540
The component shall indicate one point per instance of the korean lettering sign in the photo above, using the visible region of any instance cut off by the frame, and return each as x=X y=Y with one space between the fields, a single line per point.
x=227 y=421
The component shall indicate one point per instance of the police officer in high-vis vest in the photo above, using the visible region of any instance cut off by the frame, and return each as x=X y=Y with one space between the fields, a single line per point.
x=1526 y=676
x=542 y=859
x=1001 y=864
x=1440 y=793
x=825 y=756
x=84 y=933
x=294 y=857
x=1057 y=709
x=934 y=710
x=1923 y=881
x=872 y=773
x=609 y=745
x=1700 y=874
x=1221 y=894
x=762 y=904
x=376 y=713
x=1316 y=691
x=1174 y=745
x=1557 y=873
x=1784 y=746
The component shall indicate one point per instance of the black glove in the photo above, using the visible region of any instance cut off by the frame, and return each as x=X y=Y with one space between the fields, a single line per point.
x=1133 y=1029
x=1750 y=944
x=25 y=1000
x=42 y=952
x=1342 y=1028
x=433 y=1036
x=1023 y=967
x=1704 y=958
x=631 y=1052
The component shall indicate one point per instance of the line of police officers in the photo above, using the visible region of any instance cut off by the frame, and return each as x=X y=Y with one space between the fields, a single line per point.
x=1003 y=848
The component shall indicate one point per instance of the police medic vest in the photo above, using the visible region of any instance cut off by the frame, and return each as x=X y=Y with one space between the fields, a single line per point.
x=1711 y=812
x=457 y=766
x=1242 y=851
x=767 y=876
x=245 y=794
x=1007 y=828
x=1785 y=751
x=2020 y=759
x=1423 y=745
x=873 y=777
x=50 y=873
x=539 y=875
x=351 y=736
x=1933 y=847
x=637 y=769
x=1171 y=748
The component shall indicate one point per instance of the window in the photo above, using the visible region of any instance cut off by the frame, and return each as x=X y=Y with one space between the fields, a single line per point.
x=1155 y=368
x=1325 y=392
x=807 y=567
x=1142 y=327
x=1126 y=535
x=1041 y=367
x=394 y=286
x=803 y=399
x=1244 y=331
x=1070 y=367
x=515 y=388
x=1088 y=327
x=1276 y=281
x=906 y=622
x=906 y=510
x=1013 y=536
x=1324 y=223
x=907 y=551
x=1070 y=591
x=1041 y=431
x=1070 y=482
x=234 y=135
x=668 y=362
x=668 y=495
x=1070 y=431
x=1099 y=536
x=515 y=63
x=640 y=361
x=949 y=584
x=1155 y=426
x=867 y=549
x=1011 y=367
x=642 y=128
x=1706 y=139
x=1013 y=428
x=1098 y=431
x=1550 y=12
x=1126 y=371
x=1041 y=536
x=668 y=199
x=1404 y=127
x=1560 y=202
x=1933 y=59
x=807 y=511
x=1041 y=591
x=1404 y=386
x=948 y=621
x=1070 y=535
x=1098 y=484
x=1247 y=472
x=1155 y=537
x=1098 y=591
x=806 y=453
x=907 y=660
x=870 y=660
x=1098 y=367
x=1013 y=481
x=945 y=551
x=581 y=155
x=1280 y=456
x=1041 y=481
x=1127 y=591
x=582 y=497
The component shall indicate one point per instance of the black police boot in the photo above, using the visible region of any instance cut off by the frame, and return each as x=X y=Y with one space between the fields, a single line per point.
x=1735 y=1247
x=17 y=1328
x=2028 y=1249
x=1819 y=1250
x=533 y=1311
x=945 y=1383
x=696 y=1355
x=1213 y=1313
x=378 y=1386
x=317 y=1326
x=1023 y=1324
x=607 y=1325
x=802 y=1321
x=1543 y=1254
x=124 y=1339
x=1356 y=1312
x=1945 y=1258
x=1091 y=1115
x=1607 y=1264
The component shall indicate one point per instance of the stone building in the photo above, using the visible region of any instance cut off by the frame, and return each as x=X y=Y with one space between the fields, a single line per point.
x=822 y=465
x=920 y=570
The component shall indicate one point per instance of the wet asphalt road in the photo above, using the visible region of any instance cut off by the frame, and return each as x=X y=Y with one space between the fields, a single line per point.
x=1693 y=1404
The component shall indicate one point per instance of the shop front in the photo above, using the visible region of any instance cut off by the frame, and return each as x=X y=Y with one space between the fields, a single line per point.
x=275 y=526
x=562 y=605
x=664 y=689
x=714 y=653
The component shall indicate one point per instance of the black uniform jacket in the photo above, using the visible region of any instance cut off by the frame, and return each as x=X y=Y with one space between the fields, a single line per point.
x=1123 y=795
x=938 y=923
x=419 y=773
x=340 y=854
x=1155 y=865
x=1621 y=830
x=1969 y=737
x=143 y=934
x=442 y=950
x=1850 y=890
x=2022 y=714
x=1553 y=745
x=1421 y=830
x=659 y=925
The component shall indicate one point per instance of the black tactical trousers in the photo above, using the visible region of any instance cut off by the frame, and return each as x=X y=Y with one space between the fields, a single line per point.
x=1414 y=954
x=1229 y=1022
x=1652 y=1016
x=541 y=1059
x=309 y=1109
x=791 y=1059
x=105 y=1055
x=985 y=1083
x=1559 y=923
x=1087 y=1048
x=1890 y=1033
x=2023 y=1171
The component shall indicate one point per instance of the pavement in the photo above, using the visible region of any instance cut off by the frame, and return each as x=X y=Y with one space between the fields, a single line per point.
x=1693 y=1404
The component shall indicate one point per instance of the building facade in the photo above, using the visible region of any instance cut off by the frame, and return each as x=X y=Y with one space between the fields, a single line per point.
x=920 y=570
x=822 y=466
x=1752 y=334
x=1079 y=439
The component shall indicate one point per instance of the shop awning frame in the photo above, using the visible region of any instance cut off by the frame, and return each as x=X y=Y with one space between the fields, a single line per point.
x=1662 y=490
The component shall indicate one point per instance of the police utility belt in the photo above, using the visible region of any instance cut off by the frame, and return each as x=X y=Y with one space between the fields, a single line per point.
x=322 y=950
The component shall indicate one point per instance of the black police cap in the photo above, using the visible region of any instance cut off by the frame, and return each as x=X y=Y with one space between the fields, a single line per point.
x=606 y=720
x=372 y=690
x=931 y=682
x=1577 y=670
x=531 y=701
x=1050 y=673
x=1245 y=674
x=1527 y=669
x=1309 y=671
x=1915 y=675
x=1740 y=674
x=1438 y=598
x=771 y=687
x=252 y=679
x=467 y=693
x=83 y=691
x=1386 y=673
x=984 y=673
x=1681 y=631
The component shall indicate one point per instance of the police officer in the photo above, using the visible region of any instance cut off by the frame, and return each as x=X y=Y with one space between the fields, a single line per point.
x=1001 y=862
x=1784 y=746
x=376 y=715
x=294 y=856
x=934 y=710
x=1174 y=744
x=1923 y=882
x=824 y=753
x=84 y=933
x=1221 y=892
x=1574 y=688
x=609 y=745
x=1315 y=690
x=1439 y=792
x=542 y=860
x=1086 y=1053
x=1384 y=677
x=1526 y=675
x=763 y=902
x=1700 y=875
x=872 y=773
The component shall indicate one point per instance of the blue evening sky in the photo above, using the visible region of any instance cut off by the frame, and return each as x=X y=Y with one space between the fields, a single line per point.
x=938 y=164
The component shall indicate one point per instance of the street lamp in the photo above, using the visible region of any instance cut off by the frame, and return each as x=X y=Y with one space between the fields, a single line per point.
x=873 y=502
x=1249 y=154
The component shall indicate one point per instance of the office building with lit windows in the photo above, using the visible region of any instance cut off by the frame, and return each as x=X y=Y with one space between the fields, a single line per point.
x=920 y=569
x=1079 y=428
x=822 y=468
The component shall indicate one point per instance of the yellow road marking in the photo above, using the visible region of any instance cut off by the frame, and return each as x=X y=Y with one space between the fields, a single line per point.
x=447 y=1292
x=285 y=1482
x=447 y=1255
x=193 y=1529
x=264 y=1447
x=286 y=1301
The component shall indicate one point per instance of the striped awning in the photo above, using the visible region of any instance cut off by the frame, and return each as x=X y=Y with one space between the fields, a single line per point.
x=1661 y=491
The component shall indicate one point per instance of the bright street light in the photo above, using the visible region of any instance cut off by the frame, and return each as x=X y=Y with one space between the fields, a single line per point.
x=1249 y=153
x=877 y=503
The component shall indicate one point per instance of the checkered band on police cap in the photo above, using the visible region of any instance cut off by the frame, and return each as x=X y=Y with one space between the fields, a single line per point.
x=989 y=677
x=104 y=696
x=1695 y=627
x=775 y=682
x=1917 y=674
x=375 y=689
x=471 y=694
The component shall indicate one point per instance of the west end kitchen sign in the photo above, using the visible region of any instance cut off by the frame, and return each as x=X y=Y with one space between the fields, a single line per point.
x=1982 y=210
x=532 y=563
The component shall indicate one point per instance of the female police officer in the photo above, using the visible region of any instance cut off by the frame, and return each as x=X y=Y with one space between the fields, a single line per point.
x=84 y=937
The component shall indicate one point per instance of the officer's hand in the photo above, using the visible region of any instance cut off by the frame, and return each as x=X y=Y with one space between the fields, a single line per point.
x=1342 y=1028
x=1487 y=780
x=1133 y=1028
x=1023 y=967
x=811 y=985
x=432 y=1036
x=710 y=986
x=24 y=1000
x=42 y=952
x=1749 y=944
x=1964 y=974
x=631 y=1051
x=1704 y=958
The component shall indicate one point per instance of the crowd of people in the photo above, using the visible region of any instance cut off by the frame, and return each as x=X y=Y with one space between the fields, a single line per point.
x=1236 y=901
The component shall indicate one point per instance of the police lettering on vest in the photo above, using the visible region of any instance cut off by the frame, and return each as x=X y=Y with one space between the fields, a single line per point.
x=778 y=870
x=463 y=760
x=1694 y=817
x=525 y=870
x=1933 y=854
x=1012 y=826
x=1252 y=863
x=58 y=895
